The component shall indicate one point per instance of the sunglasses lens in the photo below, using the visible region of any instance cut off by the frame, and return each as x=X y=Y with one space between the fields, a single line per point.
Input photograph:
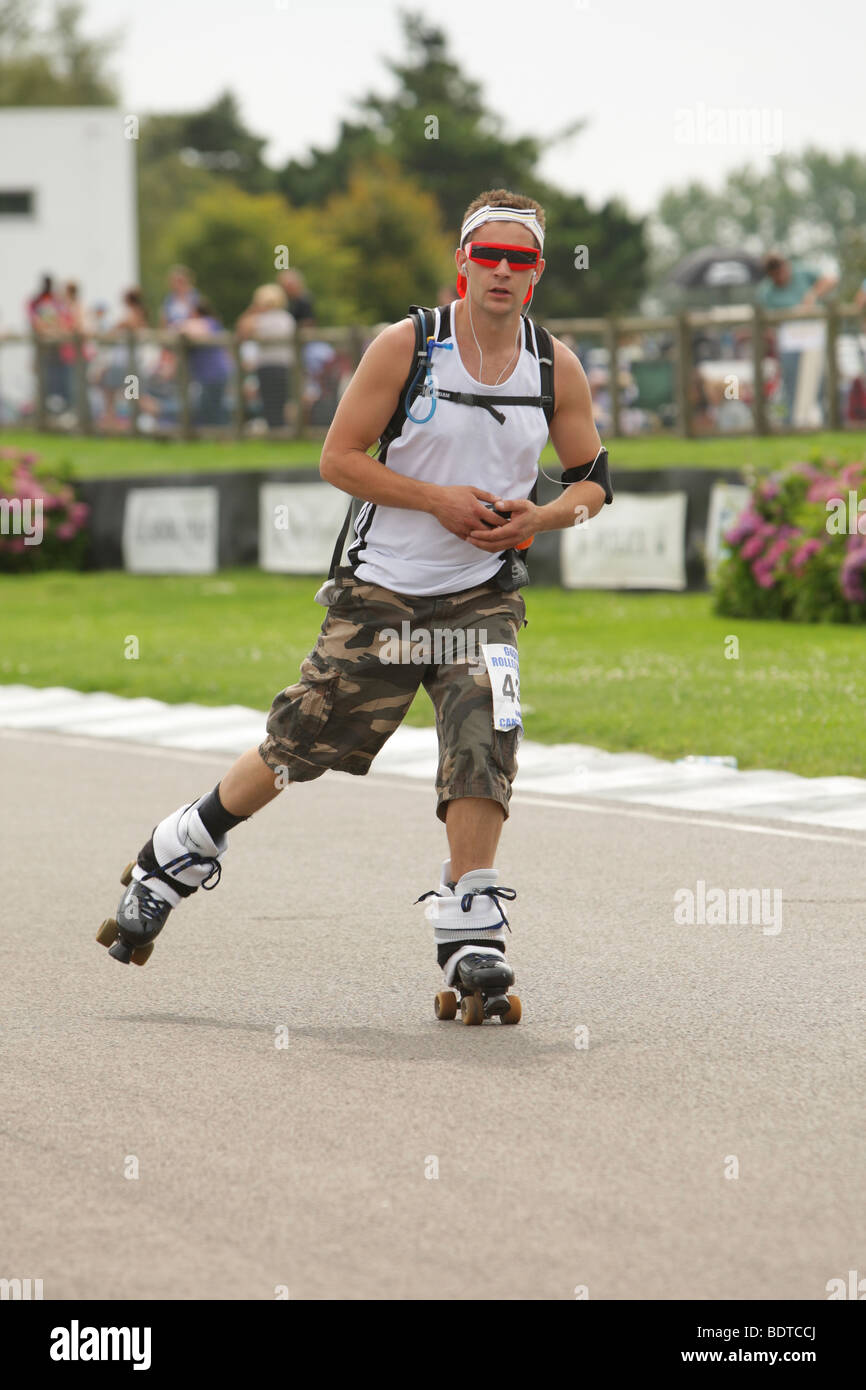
x=519 y=257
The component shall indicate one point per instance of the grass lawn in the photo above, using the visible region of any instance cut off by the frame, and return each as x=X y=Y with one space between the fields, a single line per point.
x=624 y=672
x=106 y=458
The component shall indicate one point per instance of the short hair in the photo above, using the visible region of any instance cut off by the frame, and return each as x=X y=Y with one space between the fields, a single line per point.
x=269 y=297
x=504 y=198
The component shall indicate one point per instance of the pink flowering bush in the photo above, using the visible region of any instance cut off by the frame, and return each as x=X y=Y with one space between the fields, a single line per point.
x=42 y=523
x=798 y=551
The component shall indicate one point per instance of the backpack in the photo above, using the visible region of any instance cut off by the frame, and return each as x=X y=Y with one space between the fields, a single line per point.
x=424 y=321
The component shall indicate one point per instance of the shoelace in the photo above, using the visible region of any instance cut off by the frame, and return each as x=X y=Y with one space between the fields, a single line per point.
x=189 y=860
x=149 y=905
x=494 y=894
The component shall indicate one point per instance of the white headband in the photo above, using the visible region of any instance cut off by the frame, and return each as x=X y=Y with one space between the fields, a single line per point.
x=525 y=216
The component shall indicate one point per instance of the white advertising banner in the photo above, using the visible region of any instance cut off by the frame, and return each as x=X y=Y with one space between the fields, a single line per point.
x=171 y=530
x=298 y=526
x=727 y=502
x=637 y=543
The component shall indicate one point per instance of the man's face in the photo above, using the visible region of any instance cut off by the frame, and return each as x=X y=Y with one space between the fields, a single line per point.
x=502 y=288
x=781 y=273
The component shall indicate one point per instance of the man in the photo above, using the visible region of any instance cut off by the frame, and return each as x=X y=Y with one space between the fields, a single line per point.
x=300 y=304
x=181 y=302
x=786 y=286
x=430 y=556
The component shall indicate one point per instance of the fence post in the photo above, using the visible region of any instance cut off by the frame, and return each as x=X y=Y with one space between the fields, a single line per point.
x=239 y=387
x=299 y=431
x=684 y=374
x=759 y=403
x=132 y=370
x=186 y=429
x=82 y=399
x=833 y=411
x=41 y=413
x=611 y=335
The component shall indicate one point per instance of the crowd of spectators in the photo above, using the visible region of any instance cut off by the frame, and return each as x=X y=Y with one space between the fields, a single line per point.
x=255 y=381
x=259 y=384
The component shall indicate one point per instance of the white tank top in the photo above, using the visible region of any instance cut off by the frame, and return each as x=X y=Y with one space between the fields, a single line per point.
x=408 y=551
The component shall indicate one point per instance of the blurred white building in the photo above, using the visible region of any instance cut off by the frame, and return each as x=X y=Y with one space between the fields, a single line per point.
x=68 y=208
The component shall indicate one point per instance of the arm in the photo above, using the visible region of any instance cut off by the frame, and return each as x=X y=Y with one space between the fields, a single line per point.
x=364 y=410
x=576 y=441
x=820 y=287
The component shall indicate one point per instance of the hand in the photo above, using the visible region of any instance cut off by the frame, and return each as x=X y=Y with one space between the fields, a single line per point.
x=526 y=520
x=461 y=511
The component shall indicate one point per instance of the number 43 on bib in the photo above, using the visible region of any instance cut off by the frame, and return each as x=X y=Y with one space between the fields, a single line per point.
x=503 y=669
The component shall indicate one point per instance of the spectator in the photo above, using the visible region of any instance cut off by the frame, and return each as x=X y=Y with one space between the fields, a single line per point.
x=300 y=304
x=133 y=317
x=786 y=286
x=180 y=303
x=72 y=320
x=326 y=371
x=210 y=367
x=159 y=405
x=267 y=317
x=44 y=316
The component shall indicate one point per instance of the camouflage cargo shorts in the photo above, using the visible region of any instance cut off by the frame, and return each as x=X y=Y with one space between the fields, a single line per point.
x=374 y=649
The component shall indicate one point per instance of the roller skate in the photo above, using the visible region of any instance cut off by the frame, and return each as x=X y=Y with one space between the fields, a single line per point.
x=179 y=857
x=469 y=925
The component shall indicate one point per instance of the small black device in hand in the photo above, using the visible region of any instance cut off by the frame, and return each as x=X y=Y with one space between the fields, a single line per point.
x=505 y=515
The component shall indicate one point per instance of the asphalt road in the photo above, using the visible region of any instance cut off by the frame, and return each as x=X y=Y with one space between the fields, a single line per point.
x=608 y=1167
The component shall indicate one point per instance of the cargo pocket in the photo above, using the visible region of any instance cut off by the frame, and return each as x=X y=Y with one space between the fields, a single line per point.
x=298 y=719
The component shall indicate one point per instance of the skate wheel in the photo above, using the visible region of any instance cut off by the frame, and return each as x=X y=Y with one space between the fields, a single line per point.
x=472 y=1009
x=126 y=876
x=446 y=1004
x=514 y=1011
x=141 y=955
x=107 y=934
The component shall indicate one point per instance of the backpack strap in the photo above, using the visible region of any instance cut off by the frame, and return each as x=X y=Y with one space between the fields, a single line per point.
x=542 y=348
x=425 y=322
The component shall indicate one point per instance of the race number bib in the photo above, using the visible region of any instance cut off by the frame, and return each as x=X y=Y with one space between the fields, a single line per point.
x=504 y=671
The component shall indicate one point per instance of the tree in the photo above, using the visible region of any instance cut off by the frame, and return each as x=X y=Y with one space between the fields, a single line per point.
x=232 y=240
x=807 y=205
x=167 y=188
x=438 y=134
x=214 y=140
x=53 y=66
x=594 y=261
x=392 y=229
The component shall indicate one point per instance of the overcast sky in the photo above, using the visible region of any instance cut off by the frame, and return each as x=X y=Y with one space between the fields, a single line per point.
x=659 y=81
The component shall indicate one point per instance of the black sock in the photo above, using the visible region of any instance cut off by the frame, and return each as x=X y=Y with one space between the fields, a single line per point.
x=216 y=820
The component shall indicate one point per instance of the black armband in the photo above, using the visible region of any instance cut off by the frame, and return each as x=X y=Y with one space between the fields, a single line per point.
x=595 y=472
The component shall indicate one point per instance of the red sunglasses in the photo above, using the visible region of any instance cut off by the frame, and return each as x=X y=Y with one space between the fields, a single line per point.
x=490 y=253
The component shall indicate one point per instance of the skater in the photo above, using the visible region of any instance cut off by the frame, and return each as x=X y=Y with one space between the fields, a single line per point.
x=461 y=399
